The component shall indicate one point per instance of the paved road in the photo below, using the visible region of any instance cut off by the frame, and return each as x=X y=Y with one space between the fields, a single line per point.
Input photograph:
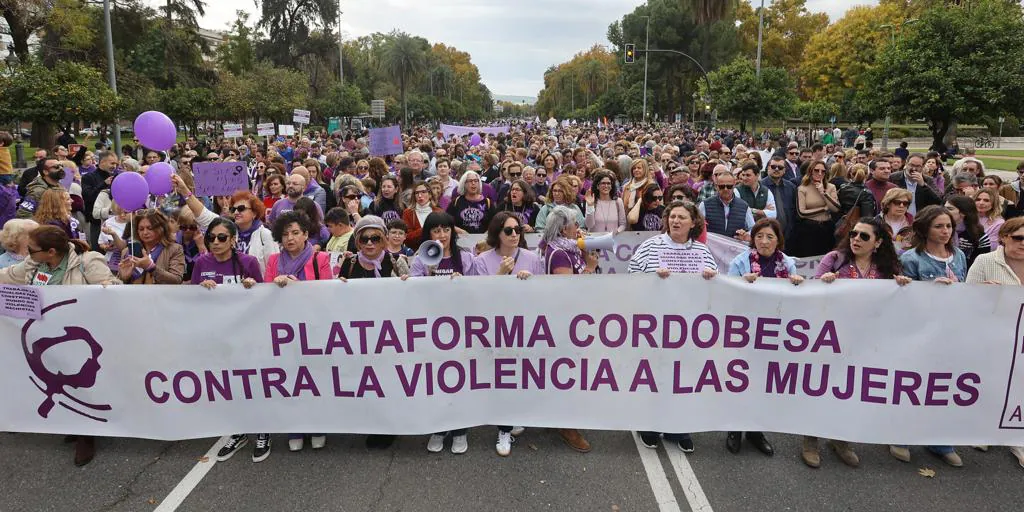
x=37 y=474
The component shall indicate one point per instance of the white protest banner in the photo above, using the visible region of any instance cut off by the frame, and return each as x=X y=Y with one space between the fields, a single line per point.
x=724 y=249
x=300 y=116
x=265 y=129
x=286 y=130
x=232 y=130
x=859 y=360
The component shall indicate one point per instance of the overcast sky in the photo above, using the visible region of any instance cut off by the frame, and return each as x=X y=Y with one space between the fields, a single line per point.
x=511 y=42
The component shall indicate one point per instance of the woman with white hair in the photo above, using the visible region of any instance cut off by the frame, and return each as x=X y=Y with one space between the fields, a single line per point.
x=471 y=210
x=562 y=256
x=14 y=239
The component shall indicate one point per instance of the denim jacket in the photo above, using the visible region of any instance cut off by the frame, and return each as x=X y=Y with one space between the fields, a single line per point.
x=921 y=267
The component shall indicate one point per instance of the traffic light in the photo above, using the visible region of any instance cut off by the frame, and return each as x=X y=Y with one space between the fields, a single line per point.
x=630 y=53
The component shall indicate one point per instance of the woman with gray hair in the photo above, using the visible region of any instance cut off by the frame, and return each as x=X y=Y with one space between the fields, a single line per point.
x=562 y=256
x=14 y=239
x=472 y=210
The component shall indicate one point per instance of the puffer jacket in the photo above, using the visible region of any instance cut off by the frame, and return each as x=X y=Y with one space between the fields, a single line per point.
x=87 y=268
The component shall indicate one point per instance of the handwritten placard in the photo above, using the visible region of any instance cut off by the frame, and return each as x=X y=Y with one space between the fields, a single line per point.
x=232 y=130
x=21 y=301
x=265 y=129
x=287 y=129
x=220 y=178
x=689 y=262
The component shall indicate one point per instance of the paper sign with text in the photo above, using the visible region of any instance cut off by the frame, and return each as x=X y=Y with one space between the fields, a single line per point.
x=21 y=301
x=220 y=178
x=265 y=129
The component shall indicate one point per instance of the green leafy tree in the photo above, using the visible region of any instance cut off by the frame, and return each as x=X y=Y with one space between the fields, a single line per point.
x=816 y=111
x=737 y=93
x=186 y=106
x=954 y=64
x=289 y=22
x=237 y=54
x=404 y=59
x=67 y=93
x=342 y=100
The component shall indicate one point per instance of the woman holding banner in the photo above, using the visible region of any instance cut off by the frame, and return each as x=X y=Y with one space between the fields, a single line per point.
x=55 y=259
x=867 y=253
x=297 y=261
x=561 y=193
x=675 y=251
x=455 y=261
x=562 y=256
x=605 y=211
x=1004 y=266
x=224 y=264
x=936 y=258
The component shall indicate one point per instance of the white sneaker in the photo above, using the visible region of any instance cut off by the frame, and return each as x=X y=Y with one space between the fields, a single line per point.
x=504 y=446
x=1018 y=451
x=318 y=442
x=436 y=443
x=460 y=444
x=295 y=445
x=518 y=431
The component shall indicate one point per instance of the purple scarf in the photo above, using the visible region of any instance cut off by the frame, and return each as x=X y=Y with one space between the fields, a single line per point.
x=245 y=236
x=289 y=266
x=375 y=262
x=153 y=255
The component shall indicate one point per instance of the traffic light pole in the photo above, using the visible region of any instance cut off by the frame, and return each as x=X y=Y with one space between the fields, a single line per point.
x=647 y=45
x=701 y=68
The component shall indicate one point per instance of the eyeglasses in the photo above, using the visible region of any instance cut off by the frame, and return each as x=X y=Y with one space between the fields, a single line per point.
x=901 y=203
x=375 y=239
x=777 y=167
x=362 y=168
x=220 y=237
x=34 y=251
x=239 y=209
x=509 y=230
x=188 y=227
x=418 y=192
x=725 y=187
x=863 y=235
x=355 y=196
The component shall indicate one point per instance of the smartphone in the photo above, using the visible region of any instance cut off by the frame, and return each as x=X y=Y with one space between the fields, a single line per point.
x=136 y=249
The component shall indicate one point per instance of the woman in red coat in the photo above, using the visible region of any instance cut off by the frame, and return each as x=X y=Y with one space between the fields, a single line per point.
x=424 y=203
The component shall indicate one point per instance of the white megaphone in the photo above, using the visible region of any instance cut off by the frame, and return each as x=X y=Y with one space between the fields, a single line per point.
x=605 y=242
x=431 y=253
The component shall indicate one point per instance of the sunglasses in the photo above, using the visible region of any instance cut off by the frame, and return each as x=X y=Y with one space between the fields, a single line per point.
x=658 y=198
x=901 y=203
x=793 y=153
x=776 y=167
x=515 y=174
x=863 y=235
x=188 y=227
x=355 y=196
x=375 y=239
x=508 y=230
x=678 y=198
x=1017 y=238
x=725 y=187
x=221 y=237
x=239 y=209
x=542 y=175
x=363 y=168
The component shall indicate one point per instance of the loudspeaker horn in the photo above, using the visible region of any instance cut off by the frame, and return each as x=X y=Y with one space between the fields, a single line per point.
x=431 y=253
x=605 y=242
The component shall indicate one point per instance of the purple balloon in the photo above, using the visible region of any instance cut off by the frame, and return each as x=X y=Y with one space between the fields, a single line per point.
x=130 y=191
x=68 y=179
x=474 y=140
x=159 y=179
x=155 y=130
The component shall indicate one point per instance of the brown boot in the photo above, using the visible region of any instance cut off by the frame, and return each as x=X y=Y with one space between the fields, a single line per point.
x=574 y=439
x=810 y=453
x=845 y=452
x=85 y=450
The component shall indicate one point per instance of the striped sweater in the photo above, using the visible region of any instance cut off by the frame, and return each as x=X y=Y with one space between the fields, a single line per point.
x=661 y=252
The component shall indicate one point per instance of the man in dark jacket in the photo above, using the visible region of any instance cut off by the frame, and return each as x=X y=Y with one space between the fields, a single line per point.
x=92 y=184
x=922 y=187
x=784 y=192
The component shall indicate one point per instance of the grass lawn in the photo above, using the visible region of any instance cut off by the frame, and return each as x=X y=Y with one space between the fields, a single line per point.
x=29 y=151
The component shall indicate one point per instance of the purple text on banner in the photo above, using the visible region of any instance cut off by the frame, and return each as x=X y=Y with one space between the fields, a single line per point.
x=21 y=301
x=386 y=141
x=220 y=178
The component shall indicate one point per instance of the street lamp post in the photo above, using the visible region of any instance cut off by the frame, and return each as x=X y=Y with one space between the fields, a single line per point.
x=760 y=30
x=888 y=115
x=111 y=76
x=341 y=47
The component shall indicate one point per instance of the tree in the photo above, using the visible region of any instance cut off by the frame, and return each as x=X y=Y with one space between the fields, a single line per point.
x=24 y=18
x=738 y=94
x=788 y=27
x=816 y=111
x=186 y=106
x=289 y=22
x=837 y=58
x=343 y=100
x=709 y=11
x=237 y=54
x=184 y=10
x=65 y=94
x=404 y=60
x=954 y=64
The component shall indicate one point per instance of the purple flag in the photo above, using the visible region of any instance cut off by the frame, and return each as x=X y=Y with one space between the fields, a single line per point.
x=386 y=141
x=220 y=178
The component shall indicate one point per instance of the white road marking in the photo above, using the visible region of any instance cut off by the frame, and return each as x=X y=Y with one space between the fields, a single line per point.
x=192 y=479
x=688 y=480
x=656 y=476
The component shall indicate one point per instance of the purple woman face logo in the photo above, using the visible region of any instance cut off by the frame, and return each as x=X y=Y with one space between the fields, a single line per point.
x=57 y=383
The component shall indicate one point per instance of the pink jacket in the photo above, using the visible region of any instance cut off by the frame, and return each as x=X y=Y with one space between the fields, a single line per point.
x=323 y=262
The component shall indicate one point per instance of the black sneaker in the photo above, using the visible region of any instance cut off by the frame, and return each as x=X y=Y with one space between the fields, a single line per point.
x=235 y=443
x=262 y=449
x=650 y=439
x=686 y=444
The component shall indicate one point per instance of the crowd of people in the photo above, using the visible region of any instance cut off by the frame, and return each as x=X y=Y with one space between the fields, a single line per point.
x=873 y=215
